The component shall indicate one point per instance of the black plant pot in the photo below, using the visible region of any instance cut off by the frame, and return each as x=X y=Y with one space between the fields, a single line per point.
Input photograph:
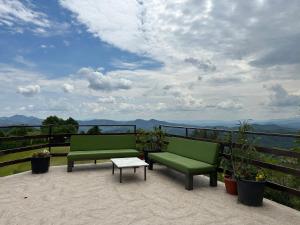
x=40 y=165
x=251 y=192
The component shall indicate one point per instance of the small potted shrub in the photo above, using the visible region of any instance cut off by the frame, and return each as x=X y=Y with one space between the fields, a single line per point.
x=152 y=141
x=229 y=179
x=250 y=178
x=40 y=161
x=226 y=163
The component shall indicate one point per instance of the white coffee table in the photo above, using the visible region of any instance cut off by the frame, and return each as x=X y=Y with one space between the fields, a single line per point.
x=133 y=162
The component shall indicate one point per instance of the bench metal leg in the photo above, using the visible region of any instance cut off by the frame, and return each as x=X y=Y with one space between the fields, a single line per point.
x=95 y=162
x=120 y=175
x=145 y=175
x=150 y=164
x=213 y=181
x=134 y=169
x=70 y=165
x=189 y=182
x=113 y=168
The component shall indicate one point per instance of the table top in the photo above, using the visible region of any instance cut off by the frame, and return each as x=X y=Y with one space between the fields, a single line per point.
x=128 y=162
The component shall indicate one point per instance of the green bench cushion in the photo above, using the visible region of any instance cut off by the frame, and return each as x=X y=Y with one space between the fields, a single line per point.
x=181 y=163
x=103 y=154
x=194 y=149
x=102 y=142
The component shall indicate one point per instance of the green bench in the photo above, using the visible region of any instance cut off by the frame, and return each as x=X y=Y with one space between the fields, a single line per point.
x=93 y=147
x=191 y=157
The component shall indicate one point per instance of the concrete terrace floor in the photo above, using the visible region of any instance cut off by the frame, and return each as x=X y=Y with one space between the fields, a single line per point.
x=92 y=195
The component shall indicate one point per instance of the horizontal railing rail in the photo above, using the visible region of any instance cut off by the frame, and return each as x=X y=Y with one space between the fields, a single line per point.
x=26 y=137
x=23 y=149
x=235 y=131
x=80 y=125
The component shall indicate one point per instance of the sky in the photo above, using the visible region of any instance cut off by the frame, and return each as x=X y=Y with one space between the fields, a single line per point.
x=163 y=59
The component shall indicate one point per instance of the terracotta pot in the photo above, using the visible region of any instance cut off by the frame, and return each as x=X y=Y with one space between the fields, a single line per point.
x=231 y=185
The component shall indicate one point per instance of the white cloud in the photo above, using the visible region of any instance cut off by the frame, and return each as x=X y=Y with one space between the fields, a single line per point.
x=14 y=12
x=66 y=43
x=68 y=88
x=187 y=102
x=20 y=59
x=99 y=81
x=114 y=20
x=109 y=99
x=279 y=97
x=94 y=107
x=229 y=105
x=29 y=90
x=213 y=56
x=46 y=46
x=205 y=34
x=18 y=16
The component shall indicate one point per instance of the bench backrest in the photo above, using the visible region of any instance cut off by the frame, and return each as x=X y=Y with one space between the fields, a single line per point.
x=102 y=142
x=199 y=150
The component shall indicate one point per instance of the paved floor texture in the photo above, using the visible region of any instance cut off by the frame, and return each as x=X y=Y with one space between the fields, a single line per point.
x=92 y=195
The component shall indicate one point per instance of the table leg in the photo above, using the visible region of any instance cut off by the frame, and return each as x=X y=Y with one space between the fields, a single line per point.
x=120 y=175
x=145 y=177
x=113 y=168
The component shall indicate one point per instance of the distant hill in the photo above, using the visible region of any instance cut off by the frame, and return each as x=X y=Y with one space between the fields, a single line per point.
x=140 y=123
x=20 y=120
x=278 y=126
x=144 y=124
x=291 y=122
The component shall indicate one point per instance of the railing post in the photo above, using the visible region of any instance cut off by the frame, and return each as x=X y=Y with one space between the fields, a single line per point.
x=135 y=129
x=50 y=137
x=186 y=132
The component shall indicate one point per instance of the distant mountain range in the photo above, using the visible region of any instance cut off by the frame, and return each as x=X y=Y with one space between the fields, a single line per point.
x=19 y=120
x=280 y=125
x=30 y=120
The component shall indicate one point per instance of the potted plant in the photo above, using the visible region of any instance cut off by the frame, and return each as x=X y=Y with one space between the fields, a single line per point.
x=153 y=141
x=40 y=161
x=226 y=164
x=229 y=179
x=158 y=142
x=250 y=178
x=143 y=142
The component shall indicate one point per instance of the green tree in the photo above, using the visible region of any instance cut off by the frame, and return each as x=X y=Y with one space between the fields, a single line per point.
x=2 y=134
x=59 y=125
x=18 y=131
x=197 y=133
x=94 y=130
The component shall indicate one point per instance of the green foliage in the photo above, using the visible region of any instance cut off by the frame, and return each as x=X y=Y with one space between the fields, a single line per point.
x=152 y=140
x=59 y=125
x=242 y=156
x=2 y=134
x=226 y=163
x=205 y=134
x=199 y=134
x=19 y=131
x=158 y=139
x=94 y=130
x=41 y=154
